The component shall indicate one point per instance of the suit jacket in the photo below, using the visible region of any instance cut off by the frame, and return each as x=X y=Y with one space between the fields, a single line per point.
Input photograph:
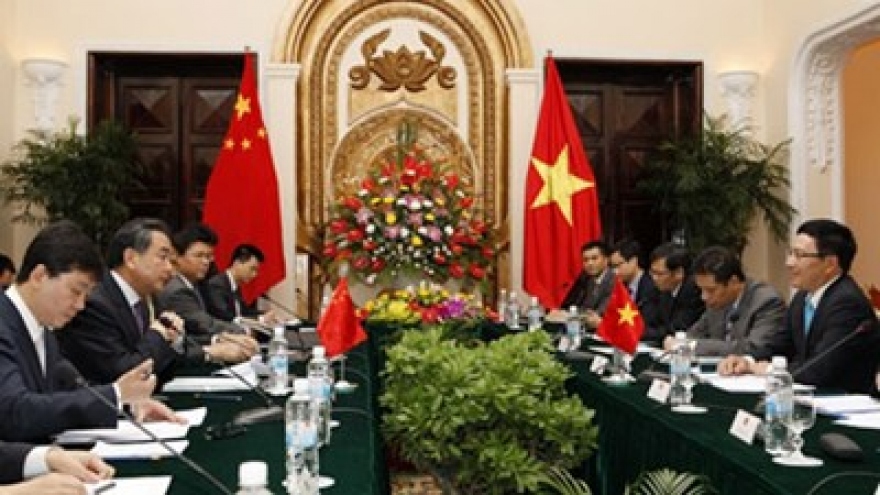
x=590 y=293
x=757 y=323
x=103 y=341
x=674 y=313
x=221 y=299
x=12 y=457
x=841 y=310
x=648 y=298
x=35 y=405
x=187 y=302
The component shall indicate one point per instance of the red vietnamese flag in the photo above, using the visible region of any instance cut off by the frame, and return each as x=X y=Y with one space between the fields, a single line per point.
x=622 y=324
x=562 y=209
x=241 y=200
x=339 y=328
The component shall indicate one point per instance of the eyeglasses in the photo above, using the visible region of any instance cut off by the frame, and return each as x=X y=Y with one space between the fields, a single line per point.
x=799 y=254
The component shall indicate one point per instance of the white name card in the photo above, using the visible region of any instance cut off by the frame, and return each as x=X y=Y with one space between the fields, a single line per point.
x=744 y=426
x=659 y=390
x=598 y=365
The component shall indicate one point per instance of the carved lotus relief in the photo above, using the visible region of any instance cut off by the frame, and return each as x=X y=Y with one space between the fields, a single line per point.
x=402 y=68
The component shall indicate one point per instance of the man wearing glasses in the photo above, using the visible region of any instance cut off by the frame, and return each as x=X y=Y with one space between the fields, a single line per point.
x=679 y=304
x=829 y=306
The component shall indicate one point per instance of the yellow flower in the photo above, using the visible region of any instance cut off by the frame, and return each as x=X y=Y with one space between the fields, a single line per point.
x=429 y=217
x=390 y=218
x=388 y=200
x=398 y=309
x=375 y=201
x=416 y=241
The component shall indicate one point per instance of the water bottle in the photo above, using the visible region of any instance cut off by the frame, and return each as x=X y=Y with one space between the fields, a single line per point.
x=513 y=311
x=679 y=368
x=301 y=440
x=573 y=328
x=502 y=306
x=778 y=401
x=534 y=314
x=278 y=362
x=320 y=381
x=253 y=478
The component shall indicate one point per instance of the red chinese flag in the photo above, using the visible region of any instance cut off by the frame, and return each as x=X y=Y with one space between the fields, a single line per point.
x=339 y=328
x=622 y=324
x=561 y=206
x=241 y=200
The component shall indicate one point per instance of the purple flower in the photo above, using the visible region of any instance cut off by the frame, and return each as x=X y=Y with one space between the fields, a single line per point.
x=452 y=308
x=392 y=232
x=415 y=219
x=364 y=215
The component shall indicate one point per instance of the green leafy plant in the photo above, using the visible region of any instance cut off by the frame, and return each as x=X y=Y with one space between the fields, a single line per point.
x=668 y=482
x=714 y=185
x=563 y=483
x=483 y=418
x=67 y=175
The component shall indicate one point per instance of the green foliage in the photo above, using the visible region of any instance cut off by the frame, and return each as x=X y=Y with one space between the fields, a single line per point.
x=668 y=482
x=563 y=483
x=489 y=418
x=714 y=185
x=66 y=175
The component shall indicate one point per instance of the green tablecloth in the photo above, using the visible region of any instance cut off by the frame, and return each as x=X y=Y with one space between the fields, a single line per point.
x=354 y=457
x=638 y=434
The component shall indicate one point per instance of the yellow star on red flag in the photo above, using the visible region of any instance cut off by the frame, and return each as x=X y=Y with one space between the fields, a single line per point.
x=559 y=183
x=627 y=314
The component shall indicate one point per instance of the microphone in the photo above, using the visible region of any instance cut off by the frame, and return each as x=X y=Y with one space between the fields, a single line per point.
x=252 y=324
x=65 y=369
x=863 y=327
x=273 y=302
x=271 y=411
x=293 y=324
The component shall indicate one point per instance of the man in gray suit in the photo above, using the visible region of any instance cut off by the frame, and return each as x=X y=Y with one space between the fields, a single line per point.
x=743 y=316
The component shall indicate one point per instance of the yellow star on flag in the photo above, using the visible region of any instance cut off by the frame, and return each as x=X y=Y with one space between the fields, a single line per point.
x=242 y=106
x=261 y=133
x=559 y=184
x=627 y=314
x=229 y=144
x=245 y=144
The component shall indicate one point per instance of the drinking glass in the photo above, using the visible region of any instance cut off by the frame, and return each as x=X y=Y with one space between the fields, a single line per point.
x=803 y=417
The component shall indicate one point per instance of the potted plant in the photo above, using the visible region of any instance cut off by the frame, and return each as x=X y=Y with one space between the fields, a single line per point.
x=483 y=418
x=68 y=175
x=714 y=185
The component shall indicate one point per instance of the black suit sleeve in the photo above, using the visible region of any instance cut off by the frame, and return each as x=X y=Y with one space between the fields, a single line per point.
x=12 y=457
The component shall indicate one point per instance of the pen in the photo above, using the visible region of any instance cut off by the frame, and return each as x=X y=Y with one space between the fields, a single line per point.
x=217 y=397
x=105 y=488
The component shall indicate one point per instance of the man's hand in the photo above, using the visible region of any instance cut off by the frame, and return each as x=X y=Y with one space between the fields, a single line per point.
x=173 y=330
x=735 y=365
x=153 y=410
x=592 y=318
x=48 y=484
x=85 y=466
x=233 y=348
x=269 y=318
x=669 y=343
x=137 y=384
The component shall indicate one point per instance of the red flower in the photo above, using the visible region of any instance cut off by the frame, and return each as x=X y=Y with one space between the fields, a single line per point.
x=361 y=262
x=456 y=270
x=355 y=235
x=440 y=259
x=352 y=203
x=369 y=184
x=338 y=226
x=451 y=181
x=377 y=265
x=487 y=252
x=477 y=271
x=329 y=250
x=344 y=254
x=430 y=315
x=370 y=244
x=467 y=202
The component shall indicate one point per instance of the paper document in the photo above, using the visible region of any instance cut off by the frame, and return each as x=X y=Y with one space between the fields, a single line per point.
x=204 y=384
x=869 y=421
x=139 y=450
x=742 y=384
x=844 y=404
x=152 y=485
x=245 y=370
x=194 y=417
x=125 y=431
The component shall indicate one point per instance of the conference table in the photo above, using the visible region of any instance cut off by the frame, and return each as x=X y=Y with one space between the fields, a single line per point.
x=354 y=458
x=638 y=434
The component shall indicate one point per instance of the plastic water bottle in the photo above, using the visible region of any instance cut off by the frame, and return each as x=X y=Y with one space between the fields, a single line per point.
x=535 y=314
x=278 y=362
x=513 y=311
x=320 y=381
x=679 y=369
x=301 y=439
x=502 y=306
x=253 y=478
x=778 y=402
x=573 y=328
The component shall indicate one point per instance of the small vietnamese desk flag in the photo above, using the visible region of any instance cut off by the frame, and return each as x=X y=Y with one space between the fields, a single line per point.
x=561 y=205
x=622 y=324
x=339 y=328
x=241 y=200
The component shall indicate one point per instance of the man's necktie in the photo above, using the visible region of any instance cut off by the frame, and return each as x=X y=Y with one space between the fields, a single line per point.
x=140 y=315
x=809 y=310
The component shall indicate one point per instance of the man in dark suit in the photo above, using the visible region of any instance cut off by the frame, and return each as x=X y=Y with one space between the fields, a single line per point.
x=38 y=395
x=7 y=271
x=225 y=300
x=827 y=307
x=22 y=461
x=626 y=261
x=194 y=248
x=592 y=288
x=743 y=316
x=679 y=303
x=120 y=324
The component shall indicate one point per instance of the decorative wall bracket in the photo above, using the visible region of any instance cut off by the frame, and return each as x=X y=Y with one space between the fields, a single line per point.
x=739 y=87
x=44 y=75
x=403 y=68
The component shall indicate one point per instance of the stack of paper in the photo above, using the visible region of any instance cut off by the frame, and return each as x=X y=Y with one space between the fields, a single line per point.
x=154 y=485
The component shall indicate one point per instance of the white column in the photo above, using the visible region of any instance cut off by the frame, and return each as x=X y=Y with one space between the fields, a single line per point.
x=44 y=75
x=279 y=106
x=739 y=89
x=524 y=103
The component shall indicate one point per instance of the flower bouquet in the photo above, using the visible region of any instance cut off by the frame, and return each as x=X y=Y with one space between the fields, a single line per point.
x=424 y=304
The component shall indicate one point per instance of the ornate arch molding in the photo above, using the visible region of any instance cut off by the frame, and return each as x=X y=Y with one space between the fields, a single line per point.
x=816 y=110
x=488 y=35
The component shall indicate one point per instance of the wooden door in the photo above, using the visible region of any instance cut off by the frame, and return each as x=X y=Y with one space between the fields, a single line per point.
x=623 y=110
x=179 y=105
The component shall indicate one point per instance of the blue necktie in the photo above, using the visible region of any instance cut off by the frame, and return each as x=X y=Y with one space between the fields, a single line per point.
x=809 y=310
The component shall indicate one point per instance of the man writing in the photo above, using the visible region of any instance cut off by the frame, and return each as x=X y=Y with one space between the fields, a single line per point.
x=225 y=300
x=592 y=288
x=829 y=306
